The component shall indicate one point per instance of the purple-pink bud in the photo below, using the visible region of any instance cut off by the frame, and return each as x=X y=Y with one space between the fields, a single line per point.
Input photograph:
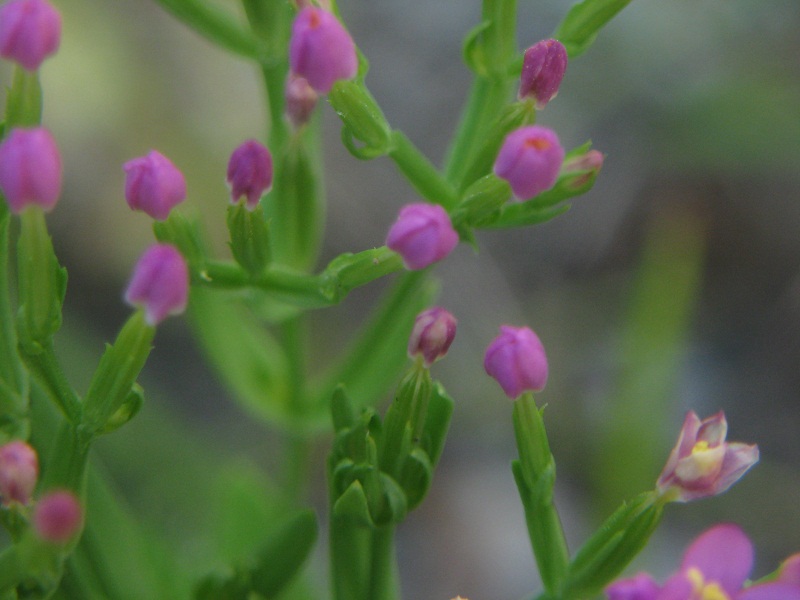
x=250 y=172
x=639 y=587
x=433 y=332
x=530 y=160
x=153 y=185
x=301 y=99
x=516 y=359
x=543 y=69
x=19 y=470
x=57 y=516
x=30 y=169
x=321 y=50
x=160 y=283
x=583 y=168
x=30 y=31
x=422 y=235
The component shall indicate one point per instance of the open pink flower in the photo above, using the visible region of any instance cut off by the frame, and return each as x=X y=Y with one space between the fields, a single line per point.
x=702 y=463
x=714 y=567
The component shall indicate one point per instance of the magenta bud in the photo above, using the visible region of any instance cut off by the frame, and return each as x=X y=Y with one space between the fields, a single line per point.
x=301 y=99
x=543 y=69
x=160 y=283
x=30 y=169
x=250 y=172
x=321 y=50
x=530 y=160
x=422 y=235
x=153 y=185
x=57 y=516
x=639 y=587
x=584 y=167
x=19 y=470
x=433 y=332
x=516 y=359
x=30 y=31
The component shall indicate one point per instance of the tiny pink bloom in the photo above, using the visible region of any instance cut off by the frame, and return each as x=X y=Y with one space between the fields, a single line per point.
x=30 y=169
x=543 y=68
x=250 y=172
x=714 y=567
x=638 y=587
x=516 y=359
x=30 y=31
x=702 y=463
x=153 y=185
x=321 y=50
x=160 y=283
x=422 y=235
x=57 y=516
x=530 y=160
x=19 y=470
x=301 y=99
x=433 y=332
x=582 y=168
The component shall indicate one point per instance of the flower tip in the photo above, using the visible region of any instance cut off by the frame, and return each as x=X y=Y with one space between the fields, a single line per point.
x=30 y=31
x=153 y=185
x=543 y=68
x=160 y=283
x=422 y=235
x=250 y=172
x=19 y=471
x=30 y=169
x=517 y=360
x=433 y=333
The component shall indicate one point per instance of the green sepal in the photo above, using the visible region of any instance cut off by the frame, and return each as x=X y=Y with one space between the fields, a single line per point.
x=437 y=423
x=342 y=409
x=416 y=474
x=214 y=24
x=352 y=507
x=113 y=381
x=362 y=117
x=349 y=271
x=583 y=22
x=42 y=282
x=615 y=544
x=249 y=237
x=472 y=49
x=283 y=553
x=24 y=100
x=130 y=408
x=185 y=235
x=482 y=202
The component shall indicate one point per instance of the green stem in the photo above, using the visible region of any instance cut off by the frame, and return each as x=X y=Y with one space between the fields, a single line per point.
x=425 y=178
x=47 y=370
x=383 y=584
x=11 y=370
x=10 y=570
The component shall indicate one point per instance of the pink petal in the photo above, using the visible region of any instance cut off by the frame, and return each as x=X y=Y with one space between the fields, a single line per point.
x=723 y=554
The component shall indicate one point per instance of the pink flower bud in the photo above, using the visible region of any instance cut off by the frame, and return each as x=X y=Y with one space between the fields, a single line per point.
x=422 y=235
x=433 y=332
x=543 y=69
x=638 y=587
x=321 y=50
x=153 y=185
x=57 y=516
x=160 y=283
x=301 y=99
x=516 y=359
x=30 y=169
x=530 y=160
x=19 y=470
x=250 y=172
x=702 y=463
x=30 y=31
x=584 y=168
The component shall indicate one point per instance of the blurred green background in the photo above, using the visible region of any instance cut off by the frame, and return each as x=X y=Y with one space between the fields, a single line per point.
x=673 y=285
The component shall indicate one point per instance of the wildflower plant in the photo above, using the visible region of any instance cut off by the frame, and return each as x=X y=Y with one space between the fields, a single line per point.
x=250 y=314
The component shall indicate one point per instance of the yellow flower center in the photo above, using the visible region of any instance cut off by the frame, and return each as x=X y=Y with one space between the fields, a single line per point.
x=703 y=590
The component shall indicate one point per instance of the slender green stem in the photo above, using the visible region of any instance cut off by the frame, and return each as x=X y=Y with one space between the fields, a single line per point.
x=11 y=370
x=48 y=372
x=425 y=178
x=10 y=570
x=383 y=584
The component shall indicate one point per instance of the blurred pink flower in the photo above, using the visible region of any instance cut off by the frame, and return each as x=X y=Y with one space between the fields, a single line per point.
x=30 y=31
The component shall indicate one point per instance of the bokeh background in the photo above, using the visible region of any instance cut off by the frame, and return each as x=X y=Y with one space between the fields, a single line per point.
x=673 y=285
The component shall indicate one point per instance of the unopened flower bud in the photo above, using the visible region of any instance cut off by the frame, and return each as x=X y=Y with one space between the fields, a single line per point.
x=433 y=332
x=160 y=283
x=530 y=160
x=19 y=470
x=638 y=587
x=30 y=31
x=57 y=516
x=516 y=359
x=30 y=169
x=153 y=185
x=422 y=235
x=301 y=99
x=702 y=463
x=250 y=172
x=582 y=168
x=321 y=50
x=543 y=68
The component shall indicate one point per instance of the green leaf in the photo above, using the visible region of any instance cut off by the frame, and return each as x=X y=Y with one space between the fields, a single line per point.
x=416 y=474
x=583 y=22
